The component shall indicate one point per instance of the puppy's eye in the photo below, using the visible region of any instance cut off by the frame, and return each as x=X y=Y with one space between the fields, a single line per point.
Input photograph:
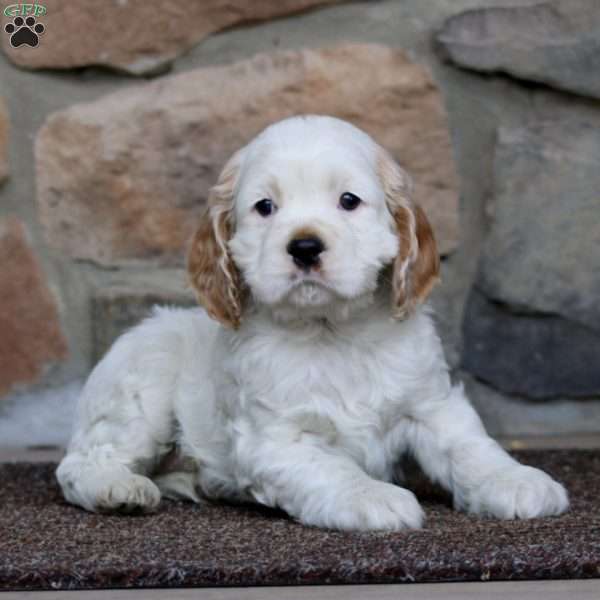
x=349 y=201
x=265 y=207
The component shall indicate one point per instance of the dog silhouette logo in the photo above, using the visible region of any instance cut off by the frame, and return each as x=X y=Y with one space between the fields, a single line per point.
x=24 y=30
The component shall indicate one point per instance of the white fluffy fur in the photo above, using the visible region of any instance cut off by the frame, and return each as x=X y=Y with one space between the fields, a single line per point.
x=312 y=401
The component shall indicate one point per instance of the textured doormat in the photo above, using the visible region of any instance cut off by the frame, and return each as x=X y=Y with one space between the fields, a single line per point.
x=48 y=544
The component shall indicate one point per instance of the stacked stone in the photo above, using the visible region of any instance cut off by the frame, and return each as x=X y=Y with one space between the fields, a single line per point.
x=532 y=323
x=108 y=174
x=120 y=181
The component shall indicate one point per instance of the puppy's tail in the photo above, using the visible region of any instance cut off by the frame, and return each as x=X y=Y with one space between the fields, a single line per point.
x=40 y=418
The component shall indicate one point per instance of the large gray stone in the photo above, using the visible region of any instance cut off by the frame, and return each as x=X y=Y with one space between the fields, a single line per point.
x=543 y=249
x=538 y=357
x=556 y=43
x=511 y=416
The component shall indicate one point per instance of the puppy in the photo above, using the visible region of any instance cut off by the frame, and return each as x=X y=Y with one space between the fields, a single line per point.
x=314 y=365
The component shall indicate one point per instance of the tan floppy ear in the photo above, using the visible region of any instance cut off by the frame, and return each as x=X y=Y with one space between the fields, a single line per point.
x=416 y=267
x=211 y=270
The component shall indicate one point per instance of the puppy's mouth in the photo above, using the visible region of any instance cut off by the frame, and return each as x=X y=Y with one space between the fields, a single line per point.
x=312 y=278
x=309 y=289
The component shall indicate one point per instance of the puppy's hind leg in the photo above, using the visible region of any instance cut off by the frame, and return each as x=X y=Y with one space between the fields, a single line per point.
x=124 y=427
x=103 y=479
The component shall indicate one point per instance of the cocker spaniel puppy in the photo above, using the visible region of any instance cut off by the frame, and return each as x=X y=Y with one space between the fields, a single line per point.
x=314 y=365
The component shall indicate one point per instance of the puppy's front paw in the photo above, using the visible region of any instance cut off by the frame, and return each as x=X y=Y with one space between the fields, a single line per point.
x=378 y=506
x=128 y=494
x=519 y=492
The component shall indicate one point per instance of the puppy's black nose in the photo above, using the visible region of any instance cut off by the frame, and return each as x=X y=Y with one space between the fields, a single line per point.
x=305 y=251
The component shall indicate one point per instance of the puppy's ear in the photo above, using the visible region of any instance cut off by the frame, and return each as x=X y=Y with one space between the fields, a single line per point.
x=211 y=270
x=416 y=267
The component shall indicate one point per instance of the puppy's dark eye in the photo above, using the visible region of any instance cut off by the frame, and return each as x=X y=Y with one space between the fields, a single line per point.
x=265 y=207
x=349 y=201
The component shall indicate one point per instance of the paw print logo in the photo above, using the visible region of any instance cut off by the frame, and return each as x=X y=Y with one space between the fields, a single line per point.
x=24 y=31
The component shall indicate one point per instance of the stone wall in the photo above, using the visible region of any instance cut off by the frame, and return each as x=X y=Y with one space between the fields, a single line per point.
x=114 y=126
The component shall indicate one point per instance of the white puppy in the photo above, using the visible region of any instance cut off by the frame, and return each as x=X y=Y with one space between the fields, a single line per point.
x=326 y=367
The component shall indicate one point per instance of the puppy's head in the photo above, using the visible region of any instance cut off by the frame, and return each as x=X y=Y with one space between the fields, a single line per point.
x=305 y=220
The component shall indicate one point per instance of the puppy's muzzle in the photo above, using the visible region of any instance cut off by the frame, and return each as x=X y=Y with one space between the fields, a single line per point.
x=305 y=251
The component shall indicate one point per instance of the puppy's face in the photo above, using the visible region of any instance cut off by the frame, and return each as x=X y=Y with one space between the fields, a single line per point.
x=304 y=220
x=312 y=227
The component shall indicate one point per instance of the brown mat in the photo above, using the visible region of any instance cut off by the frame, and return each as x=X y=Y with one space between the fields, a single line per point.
x=45 y=543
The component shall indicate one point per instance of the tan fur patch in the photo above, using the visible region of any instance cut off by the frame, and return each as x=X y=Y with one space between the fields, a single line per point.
x=416 y=267
x=426 y=268
x=305 y=232
x=211 y=270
